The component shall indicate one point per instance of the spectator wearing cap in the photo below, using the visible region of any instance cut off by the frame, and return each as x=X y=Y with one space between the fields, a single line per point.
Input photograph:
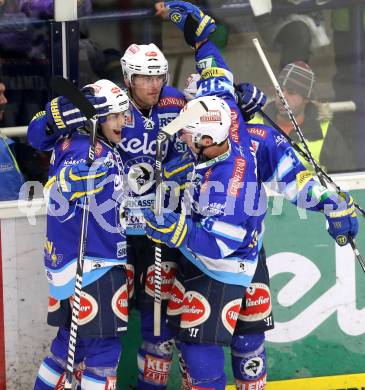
x=297 y=81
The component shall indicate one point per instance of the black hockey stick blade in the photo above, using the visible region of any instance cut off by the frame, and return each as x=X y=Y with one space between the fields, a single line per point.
x=65 y=88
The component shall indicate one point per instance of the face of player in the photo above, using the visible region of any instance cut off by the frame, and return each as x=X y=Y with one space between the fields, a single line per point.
x=3 y=100
x=112 y=128
x=296 y=103
x=145 y=90
x=187 y=138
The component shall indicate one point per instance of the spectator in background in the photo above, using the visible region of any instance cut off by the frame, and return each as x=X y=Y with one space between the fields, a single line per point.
x=11 y=178
x=314 y=118
x=295 y=34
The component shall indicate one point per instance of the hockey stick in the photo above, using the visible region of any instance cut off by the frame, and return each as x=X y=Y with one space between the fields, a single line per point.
x=298 y=149
x=68 y=90
x=172 y=128
x=297 y=129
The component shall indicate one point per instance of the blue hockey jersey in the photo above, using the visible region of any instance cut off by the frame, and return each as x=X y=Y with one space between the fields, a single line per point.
x=106 y=241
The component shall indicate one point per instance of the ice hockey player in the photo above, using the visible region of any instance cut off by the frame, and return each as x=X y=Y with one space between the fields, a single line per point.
x=273 y=152
x=104 y=302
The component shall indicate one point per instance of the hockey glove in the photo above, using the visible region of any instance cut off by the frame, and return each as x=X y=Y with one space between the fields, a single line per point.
x=250 y=99
x=63 y=117
x=195 y=25
x=74 y=182
x=343 y=223
x=171 y=228
x=178 y=169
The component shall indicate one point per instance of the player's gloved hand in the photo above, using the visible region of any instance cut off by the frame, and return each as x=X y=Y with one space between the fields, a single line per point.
x=195 y=25
x=171 y=228
x=342 y=222
x=76 y=181
x=250 y=99
x=178 y=169
x=63 y=117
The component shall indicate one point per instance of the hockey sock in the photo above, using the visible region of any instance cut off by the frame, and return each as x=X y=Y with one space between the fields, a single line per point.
x=249 y=361
x=205 y=365
x=49 y=374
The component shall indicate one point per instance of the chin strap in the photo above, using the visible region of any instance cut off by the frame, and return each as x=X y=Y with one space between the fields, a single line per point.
x=200 y=156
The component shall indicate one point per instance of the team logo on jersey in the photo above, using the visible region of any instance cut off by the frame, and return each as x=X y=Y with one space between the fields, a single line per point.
x=53 y=304
x=279 y=139
x=120 y=303
x=141 y=177
x=257 y=131
x=257 y=303
x=88 y=308
x=129 y=268
x=51 y=255
x=235 y=183
x=230 y=314
x=148 y=123
x=168 y=273
x=252 y=368
x=156 y=370
x=195 y=311
x=175 y=304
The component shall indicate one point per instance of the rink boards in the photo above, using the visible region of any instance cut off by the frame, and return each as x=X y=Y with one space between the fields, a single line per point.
x=318 y=298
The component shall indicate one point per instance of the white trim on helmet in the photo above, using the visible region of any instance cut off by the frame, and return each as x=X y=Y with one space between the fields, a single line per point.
x=116 y=98
x=144 y=60
x=215 y=123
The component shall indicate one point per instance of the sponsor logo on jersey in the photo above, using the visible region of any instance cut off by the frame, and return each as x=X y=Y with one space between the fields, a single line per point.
x=156 y=370
x=236 y=181
x=129 y=268
x=121 y=249
x=171 y=101
x=120 y=303
x=98 y=149
x=175 y=304
x=66 y=143
x=145 y=146
x=212 y=72
x=233 y=130
x=88 y=308
x=53 y=304
x=60 y=385
x=165 y=118
x=255 y=145
x=74 y=162
x=129 y=119
x=196 y=310
x=206 y=180
x=257 y=303
x=257 y=131
x=230 y=314
x=211 y=116
x=111 y=383
x=208 y=62
x=168 y=273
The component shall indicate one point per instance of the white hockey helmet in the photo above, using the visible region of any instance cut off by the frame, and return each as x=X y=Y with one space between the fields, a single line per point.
x=215 y=123
x=145 y=60
x=191 y=86
x=116 y=98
